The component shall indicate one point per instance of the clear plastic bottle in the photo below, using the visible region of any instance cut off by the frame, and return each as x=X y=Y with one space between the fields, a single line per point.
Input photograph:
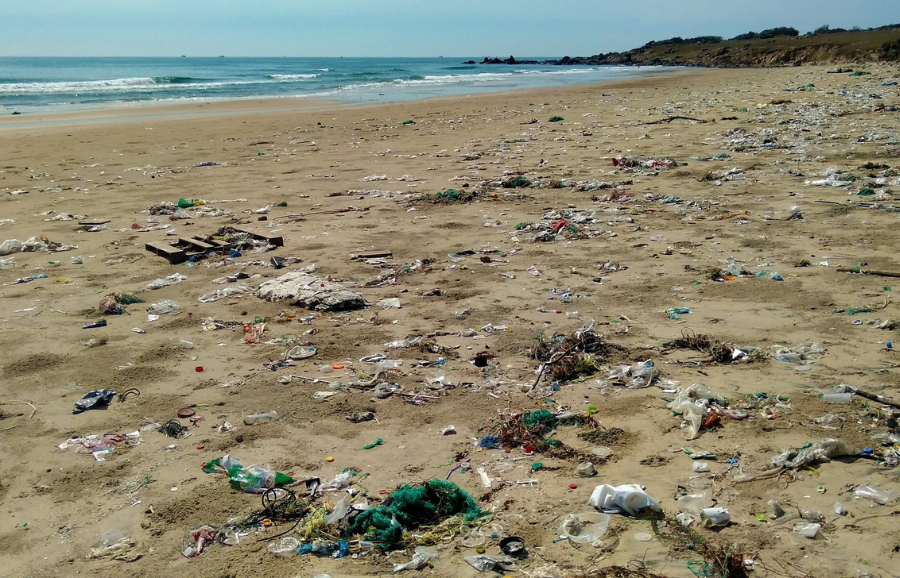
x=258 y=418
x=837 y=397
x=289 y=546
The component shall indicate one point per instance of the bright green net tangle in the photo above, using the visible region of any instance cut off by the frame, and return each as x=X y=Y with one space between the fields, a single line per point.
x=540 y=420
x=409 y=507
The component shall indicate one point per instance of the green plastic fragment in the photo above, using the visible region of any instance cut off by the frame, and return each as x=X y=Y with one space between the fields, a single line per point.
x=374 y=444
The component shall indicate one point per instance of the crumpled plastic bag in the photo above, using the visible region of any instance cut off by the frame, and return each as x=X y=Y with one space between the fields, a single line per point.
x=225 y=292
x=112 y=303
x=199 y=540
x=484 y=563
x=32 y=244
x=692 y=402
x=166 y=281
x=823 y=451
x=871 y=492
x=411 y=341
x=629 y=499
x=420 y=559
x=99 y=398
x=639 y=375
x=162 y=307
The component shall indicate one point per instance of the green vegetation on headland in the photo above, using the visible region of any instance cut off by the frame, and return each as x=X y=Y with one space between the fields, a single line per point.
x=783 y=46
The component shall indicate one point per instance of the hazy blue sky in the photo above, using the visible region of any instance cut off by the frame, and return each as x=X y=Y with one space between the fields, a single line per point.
x=399 y=27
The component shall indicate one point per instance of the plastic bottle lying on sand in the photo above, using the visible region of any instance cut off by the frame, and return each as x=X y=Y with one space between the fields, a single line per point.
x=837 y=397
x=258 y=418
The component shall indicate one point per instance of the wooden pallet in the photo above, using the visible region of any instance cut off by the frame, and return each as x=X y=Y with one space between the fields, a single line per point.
x=172 y=253
x=184 y=247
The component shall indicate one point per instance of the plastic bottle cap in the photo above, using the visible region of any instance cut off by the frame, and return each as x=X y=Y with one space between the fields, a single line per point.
x=199 y=369
x=329 y=459
x=573 y=486
x=337 y=365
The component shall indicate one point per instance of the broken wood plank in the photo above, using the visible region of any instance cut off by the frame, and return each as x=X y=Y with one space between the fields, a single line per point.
x=372 y=255
x=276 y=240
x=196 y=244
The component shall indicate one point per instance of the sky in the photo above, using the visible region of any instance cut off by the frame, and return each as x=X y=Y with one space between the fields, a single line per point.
x=524 y=28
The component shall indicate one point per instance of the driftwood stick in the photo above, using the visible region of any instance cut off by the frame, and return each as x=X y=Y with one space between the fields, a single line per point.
x=671 y=118
x=33 y=409
x=877 y=273
x=876 y=397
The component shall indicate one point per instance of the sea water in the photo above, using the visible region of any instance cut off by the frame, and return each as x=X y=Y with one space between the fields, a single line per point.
x=51 y=84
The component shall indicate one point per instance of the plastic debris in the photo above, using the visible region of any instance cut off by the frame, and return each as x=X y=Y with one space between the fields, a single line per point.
x=31 y=244
x=628 y=499
x=870 y=492
x=167 y=281
x=484 y=563
x=585 y=528
x=306 y=290
x=199 y=540
x=114 y=545
x=252 y=479
x=97 y=399
x=162 y=308
x=822 y=451
x=692 y=403
x=420 y=560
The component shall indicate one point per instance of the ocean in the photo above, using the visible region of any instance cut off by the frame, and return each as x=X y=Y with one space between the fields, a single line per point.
x=51 y=84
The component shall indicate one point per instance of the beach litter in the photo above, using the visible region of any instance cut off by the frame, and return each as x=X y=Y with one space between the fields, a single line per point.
x=306 y=290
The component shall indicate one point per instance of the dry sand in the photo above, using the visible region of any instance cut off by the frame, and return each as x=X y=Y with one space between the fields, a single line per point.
x=56 y=504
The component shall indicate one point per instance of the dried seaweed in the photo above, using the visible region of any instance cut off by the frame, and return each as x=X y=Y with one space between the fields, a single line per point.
x=717 y=561
x=535 y=429
x=718 y=351
x=634 y=569
x=577 y=355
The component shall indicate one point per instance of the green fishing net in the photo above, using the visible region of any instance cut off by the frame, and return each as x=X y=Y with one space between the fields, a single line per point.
x=409 y=507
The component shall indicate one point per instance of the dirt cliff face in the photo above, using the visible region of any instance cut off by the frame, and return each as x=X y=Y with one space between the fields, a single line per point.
x=832 y=48
x=840 y=48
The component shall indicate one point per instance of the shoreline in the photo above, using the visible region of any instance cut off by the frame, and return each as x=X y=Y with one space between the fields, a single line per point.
x=156 y=111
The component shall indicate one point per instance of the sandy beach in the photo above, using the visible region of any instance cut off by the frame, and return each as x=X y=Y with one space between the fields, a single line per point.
x=730 y=231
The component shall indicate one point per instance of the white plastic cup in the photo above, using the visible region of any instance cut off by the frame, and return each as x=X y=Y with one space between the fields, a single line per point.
x=715 y=517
